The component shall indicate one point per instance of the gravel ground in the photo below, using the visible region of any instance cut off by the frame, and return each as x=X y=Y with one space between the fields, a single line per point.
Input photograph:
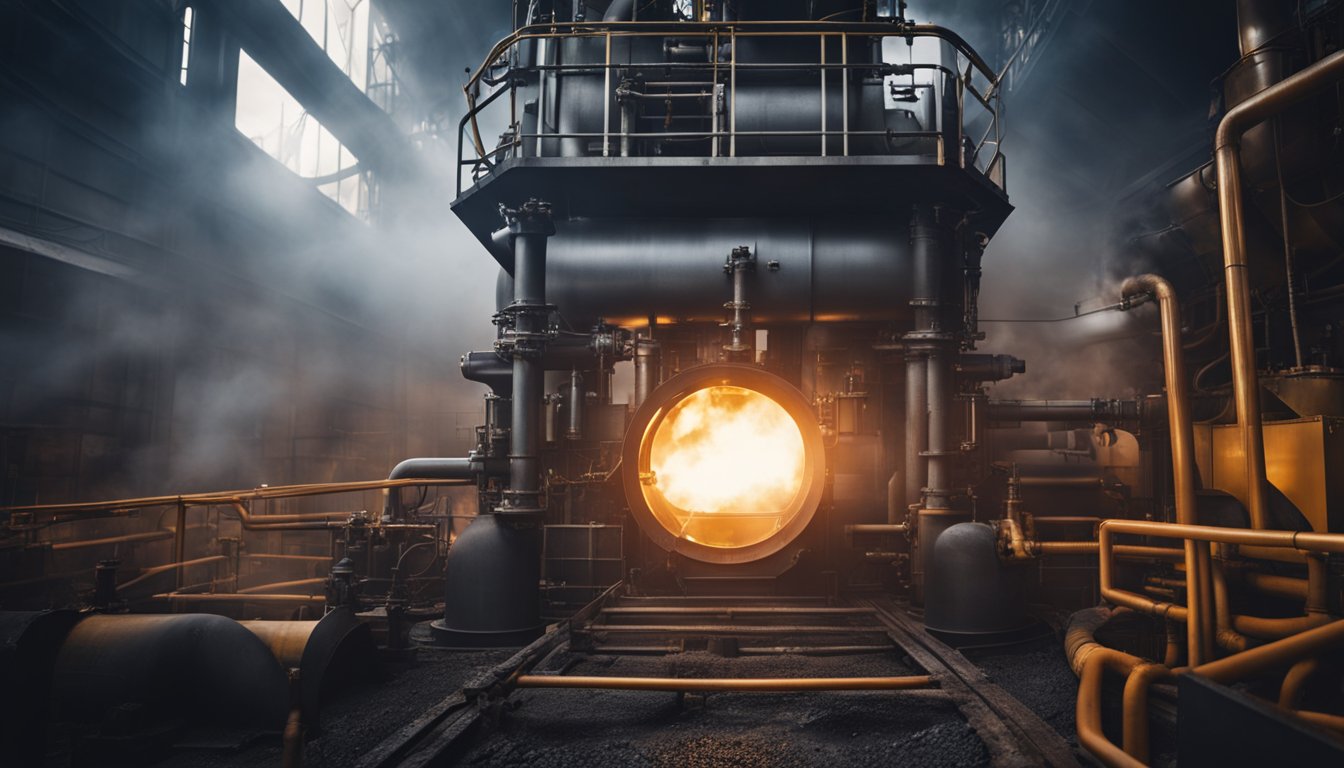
x=361 y=717
x=1038 y=675
x=625 y=728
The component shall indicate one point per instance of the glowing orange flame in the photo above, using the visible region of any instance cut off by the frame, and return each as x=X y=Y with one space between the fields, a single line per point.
x=728 y=464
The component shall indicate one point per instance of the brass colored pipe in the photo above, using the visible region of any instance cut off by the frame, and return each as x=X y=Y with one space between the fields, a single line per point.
x=154 y=571
x=1274 y=629
x=1278 y=654
x=1123 y=551
x=751 y=685
x=230 y=597
x=1227 y=154
x=282 y=585
x=129 y=538
x=1088 y=708
x=874 y=528
x=1271 y=553
x=1308 y=540
x=1227 y=637
x=1322 y=719
x=1275 y=585
x=1295 y=682
x=229 y=497
x=1135 y=705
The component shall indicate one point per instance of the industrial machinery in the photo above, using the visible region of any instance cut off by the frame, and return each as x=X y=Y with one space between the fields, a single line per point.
x=738 y=354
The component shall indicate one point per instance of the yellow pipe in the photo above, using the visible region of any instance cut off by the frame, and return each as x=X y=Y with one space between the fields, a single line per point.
x=1280 y=653
x=755 y=685
x=1227 y=154
x=1135 y=705
x=1088 y=708
x=281 y=585
x=1295 y=682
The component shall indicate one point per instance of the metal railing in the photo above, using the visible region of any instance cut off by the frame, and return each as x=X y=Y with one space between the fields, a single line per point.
x=505 y=71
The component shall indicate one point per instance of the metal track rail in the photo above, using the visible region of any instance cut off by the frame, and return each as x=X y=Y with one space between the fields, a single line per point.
x=1014 y=736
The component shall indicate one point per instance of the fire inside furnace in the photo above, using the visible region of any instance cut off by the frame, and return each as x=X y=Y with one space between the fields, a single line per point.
x=726 y=467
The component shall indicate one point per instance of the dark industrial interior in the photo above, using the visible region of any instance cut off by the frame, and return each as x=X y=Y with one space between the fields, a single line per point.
x=671 y=383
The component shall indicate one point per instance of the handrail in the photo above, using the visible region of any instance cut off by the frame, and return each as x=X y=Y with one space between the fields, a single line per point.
x=719 y=35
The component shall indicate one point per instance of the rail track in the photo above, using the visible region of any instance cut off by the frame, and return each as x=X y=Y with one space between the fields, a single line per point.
x=618 y=624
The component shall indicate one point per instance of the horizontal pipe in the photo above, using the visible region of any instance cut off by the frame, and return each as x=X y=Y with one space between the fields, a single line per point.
x=1272 y=553
x=1322 y=719
x=893 y=528
x=1064 y=520
x=1306 y=540
x=740 y=610
x=227 y=497
x=813 y=650
x=129 y=538
x=714 y=629
x=749 y=685
x=1127 y=551
x=1278 y=586
x=1060 y=482
x=280 y=585
x=1275 y=655
x=219 y=597
x=156 y=570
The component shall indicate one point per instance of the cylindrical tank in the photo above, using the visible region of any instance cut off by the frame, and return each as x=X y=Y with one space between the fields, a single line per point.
x=968 y=589
x=625 y=270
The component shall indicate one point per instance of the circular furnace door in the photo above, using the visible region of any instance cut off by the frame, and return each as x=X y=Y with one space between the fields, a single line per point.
x=724 y=463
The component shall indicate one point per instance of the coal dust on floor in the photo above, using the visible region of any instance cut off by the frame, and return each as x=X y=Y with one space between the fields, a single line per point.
x=555 y=727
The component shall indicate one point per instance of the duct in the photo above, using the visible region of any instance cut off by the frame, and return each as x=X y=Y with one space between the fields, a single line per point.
x=202 y=667
x=1246 y=387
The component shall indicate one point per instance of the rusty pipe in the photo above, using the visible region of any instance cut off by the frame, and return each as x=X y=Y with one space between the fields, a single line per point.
x=1226 y=637
x=1236 y=271
x=748 y=685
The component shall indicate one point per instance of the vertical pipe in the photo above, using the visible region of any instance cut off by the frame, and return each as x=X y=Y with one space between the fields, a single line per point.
x=1246 y=386
x=648 y=362
x=1199 y=629
x=916 y=426
x=575 y=398
x=530 y=225
x=939 y=453
x=180 y=541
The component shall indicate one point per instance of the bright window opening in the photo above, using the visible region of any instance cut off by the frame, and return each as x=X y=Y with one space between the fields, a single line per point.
x=341 y=28
x=188 y=15
x=274 y=120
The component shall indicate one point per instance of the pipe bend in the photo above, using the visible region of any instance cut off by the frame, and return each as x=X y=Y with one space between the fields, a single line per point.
x=434 y=469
